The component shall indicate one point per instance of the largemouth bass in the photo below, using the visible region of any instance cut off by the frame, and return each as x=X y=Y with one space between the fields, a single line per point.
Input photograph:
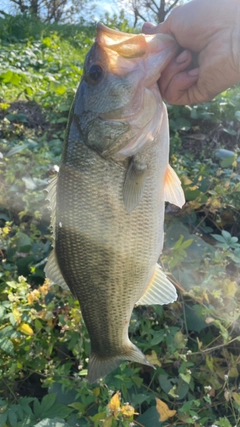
x=108 y=199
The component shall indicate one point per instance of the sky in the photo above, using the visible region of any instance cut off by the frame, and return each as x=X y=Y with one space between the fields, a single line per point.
x=102 y=6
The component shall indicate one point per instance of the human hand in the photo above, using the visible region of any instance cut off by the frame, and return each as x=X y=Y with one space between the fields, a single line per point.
x=210 y=29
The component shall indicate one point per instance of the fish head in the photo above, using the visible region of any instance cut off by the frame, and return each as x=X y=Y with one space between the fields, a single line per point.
x=118 y=106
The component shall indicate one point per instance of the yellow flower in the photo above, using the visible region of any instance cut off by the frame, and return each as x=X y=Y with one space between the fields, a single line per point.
x=114 y=404
x=128 y=410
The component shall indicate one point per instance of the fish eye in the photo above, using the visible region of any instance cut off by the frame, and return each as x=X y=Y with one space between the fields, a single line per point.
x=94 y=74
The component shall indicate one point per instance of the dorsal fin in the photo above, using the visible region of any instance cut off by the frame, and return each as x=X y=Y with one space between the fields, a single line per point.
x=53 y=271
x=159 y=291
x=173 y=192
x=52 y=198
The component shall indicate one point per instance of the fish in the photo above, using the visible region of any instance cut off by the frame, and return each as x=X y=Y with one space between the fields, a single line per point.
x=108 y=198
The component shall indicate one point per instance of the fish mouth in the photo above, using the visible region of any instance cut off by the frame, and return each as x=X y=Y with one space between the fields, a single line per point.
x=132 y=45
x=140 y=59
x=124 y=50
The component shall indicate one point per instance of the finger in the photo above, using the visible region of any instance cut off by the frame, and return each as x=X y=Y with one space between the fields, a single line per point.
x=176 y=65
x=180 y=88
x=149 y=28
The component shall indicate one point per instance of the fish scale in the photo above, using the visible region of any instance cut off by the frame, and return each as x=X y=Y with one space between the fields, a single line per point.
x=115 y=242
x=108 y=199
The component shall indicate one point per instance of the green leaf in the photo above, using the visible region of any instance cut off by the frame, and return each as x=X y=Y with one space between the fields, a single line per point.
x=226 y=235
x=150 y=418
x=237 y=115
x=25 y=404
x=194 y=321
x=57 y=88
x=37 y=408
x=186 y=243
x=59 y=410
x=223 y=422
x=138 y=399
x=227 y=157
x=66 y=397
x=192 y=194
x=229 y=131
x=7 y=76
x=16 y=79
x=194 y=114
x=12 y=417
x=28 y=90
x=219 y=238
x=98 y=417
x=47 y=402
x=19 y=118
x=83 y=373
x=4 y=217
x=3 y=418
x=225 y=163
x=158 y=337
x=79 y=406
x=2 y=311
x=6 y=345
x=222 y=153
x=23 y=240
x=186 y=377
x=165 y=382
x=47 y=41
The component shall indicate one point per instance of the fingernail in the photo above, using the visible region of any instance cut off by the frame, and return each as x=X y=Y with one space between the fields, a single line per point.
x=182 y=57
x=148 y=28
x=148 y=25
x=194 y=72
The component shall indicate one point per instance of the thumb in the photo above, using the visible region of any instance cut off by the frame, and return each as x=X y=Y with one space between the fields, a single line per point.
x=149 y=28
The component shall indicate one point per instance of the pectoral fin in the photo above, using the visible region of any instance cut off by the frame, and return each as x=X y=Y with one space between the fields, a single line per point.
x=173 y=192
x=134 y=185
x=159 y=291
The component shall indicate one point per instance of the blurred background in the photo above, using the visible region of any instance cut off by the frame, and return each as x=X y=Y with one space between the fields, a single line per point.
x=135 y=11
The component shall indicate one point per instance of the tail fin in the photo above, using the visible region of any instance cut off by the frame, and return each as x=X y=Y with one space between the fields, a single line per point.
x=99 y=367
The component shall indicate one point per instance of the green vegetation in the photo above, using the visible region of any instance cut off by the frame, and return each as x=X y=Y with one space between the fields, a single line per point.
x=194 y=343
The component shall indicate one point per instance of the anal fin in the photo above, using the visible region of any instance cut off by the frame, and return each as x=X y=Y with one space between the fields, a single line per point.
x=159 y=291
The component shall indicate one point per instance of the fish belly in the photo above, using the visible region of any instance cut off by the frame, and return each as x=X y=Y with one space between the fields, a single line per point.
x=106 y=255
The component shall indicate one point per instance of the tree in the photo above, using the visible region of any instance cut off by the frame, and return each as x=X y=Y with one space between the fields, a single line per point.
x=49 y=10
x=152 y=10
